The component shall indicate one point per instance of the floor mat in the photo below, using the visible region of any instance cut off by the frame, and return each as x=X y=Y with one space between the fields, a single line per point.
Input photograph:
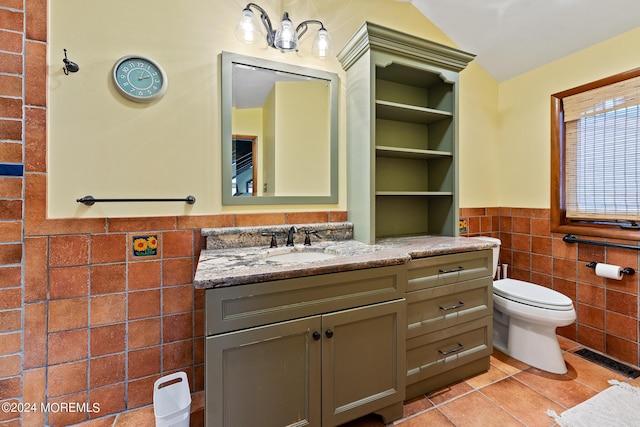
x=619 y=406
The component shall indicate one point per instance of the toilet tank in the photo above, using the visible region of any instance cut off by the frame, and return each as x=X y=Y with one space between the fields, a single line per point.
x=496 y=250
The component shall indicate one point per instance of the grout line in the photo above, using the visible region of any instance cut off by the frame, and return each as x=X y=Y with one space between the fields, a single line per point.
x=473 y=389
x=540 y=393
x=570 y=345
x=502 y=407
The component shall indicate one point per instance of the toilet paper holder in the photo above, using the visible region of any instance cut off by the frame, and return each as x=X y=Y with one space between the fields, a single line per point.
x=626 y=270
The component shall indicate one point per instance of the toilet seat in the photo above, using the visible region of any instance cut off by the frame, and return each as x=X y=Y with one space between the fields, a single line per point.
x=532 y=294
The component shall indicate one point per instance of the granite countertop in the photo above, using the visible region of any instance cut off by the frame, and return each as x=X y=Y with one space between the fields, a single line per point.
x=240 y=266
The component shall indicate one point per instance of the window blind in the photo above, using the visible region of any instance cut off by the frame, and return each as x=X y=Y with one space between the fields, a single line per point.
x=602 y=171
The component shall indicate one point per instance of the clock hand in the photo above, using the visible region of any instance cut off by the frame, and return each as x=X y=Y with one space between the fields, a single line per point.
x=142 y=76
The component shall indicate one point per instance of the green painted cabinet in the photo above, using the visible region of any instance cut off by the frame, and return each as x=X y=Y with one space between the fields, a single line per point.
x=360 y=361
x=449 y=319
x=267 y=376
x=339 y=355
x=402 y=132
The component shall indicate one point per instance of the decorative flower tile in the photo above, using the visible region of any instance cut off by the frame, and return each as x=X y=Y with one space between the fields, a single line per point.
x=145 y=245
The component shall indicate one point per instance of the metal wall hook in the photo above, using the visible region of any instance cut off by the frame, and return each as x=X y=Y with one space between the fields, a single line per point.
x=69 y=66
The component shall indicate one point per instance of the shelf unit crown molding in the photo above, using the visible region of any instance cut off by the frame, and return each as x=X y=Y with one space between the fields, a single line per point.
x=374 y=36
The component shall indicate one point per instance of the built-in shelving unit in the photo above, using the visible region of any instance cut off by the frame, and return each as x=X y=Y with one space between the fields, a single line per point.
x=402 y=134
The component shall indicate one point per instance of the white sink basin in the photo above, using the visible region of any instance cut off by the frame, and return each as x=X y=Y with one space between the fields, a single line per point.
x=290 y=255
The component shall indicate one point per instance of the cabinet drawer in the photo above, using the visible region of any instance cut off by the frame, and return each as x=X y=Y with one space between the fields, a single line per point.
x=439 y=307
x=244 y=306
x=447 y=349
x=445 y=269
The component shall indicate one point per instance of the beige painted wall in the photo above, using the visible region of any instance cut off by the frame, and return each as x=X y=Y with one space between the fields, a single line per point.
x=302 y=164
x=479 y=144
x=103 y=145
x=524 y=116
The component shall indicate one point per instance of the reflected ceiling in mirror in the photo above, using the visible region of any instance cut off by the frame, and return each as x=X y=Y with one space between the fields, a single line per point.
x=279 y=133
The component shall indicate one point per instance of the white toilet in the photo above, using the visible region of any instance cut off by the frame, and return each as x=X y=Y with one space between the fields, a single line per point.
x=525 y=318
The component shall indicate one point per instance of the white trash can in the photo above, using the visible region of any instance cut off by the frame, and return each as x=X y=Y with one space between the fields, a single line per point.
x=172 y=400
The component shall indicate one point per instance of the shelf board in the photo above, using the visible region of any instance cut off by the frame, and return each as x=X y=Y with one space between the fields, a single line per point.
x=410 y=153
x=410 y=76
x=409 y=113
x=414 y=193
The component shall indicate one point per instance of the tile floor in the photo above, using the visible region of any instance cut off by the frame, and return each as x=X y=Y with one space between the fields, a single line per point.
x=511 y=393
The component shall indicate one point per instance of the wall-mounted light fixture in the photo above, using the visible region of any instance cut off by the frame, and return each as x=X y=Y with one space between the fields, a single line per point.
x=285 y=38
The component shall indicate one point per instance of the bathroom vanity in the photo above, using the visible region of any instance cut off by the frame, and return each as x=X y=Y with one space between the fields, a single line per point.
x=324 y=342
x=318 y=350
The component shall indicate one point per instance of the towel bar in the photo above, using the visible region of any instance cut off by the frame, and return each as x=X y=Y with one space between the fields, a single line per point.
x=570 y=238
x=90 y=200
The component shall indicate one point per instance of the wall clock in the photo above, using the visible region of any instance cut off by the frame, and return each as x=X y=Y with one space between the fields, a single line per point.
x=139 y=79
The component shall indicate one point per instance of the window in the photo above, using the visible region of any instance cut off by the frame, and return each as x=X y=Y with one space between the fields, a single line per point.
x=595 y=158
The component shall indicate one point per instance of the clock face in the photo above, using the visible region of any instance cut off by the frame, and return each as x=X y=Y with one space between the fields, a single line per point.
x=139 y=79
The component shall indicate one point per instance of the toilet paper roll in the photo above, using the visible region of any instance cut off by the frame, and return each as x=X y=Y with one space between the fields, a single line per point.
x=609 y=271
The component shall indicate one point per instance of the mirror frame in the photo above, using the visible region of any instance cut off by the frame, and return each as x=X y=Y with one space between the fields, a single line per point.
x=228 y=59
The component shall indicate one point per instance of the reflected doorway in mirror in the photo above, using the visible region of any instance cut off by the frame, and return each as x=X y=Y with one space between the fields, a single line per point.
x=244 y=165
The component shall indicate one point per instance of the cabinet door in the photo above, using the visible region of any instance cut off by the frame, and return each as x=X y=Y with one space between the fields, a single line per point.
x=363 y=359
x=265 y=376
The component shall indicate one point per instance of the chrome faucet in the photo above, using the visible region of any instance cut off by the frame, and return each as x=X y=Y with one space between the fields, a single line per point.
x=293 y=230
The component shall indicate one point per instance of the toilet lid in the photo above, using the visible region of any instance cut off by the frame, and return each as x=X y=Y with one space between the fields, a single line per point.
x=531 y=294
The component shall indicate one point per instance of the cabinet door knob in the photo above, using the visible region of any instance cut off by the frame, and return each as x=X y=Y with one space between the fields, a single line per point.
x=316 y=335
x=328 y=333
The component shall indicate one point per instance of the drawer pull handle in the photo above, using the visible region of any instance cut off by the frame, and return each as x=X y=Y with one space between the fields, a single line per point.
x=453 y=307
x=316 y=335
x=328 y=333
x=453 y=270
x=453 y=350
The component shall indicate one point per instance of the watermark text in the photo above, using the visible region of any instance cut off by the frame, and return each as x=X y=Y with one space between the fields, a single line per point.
x=50 y=407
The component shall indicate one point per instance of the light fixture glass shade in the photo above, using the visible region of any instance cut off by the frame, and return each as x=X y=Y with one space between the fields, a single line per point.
x=286 y=37
x=322 y=46
x=248 y=28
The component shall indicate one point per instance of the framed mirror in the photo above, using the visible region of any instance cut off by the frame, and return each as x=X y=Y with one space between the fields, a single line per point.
x=279 y=133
